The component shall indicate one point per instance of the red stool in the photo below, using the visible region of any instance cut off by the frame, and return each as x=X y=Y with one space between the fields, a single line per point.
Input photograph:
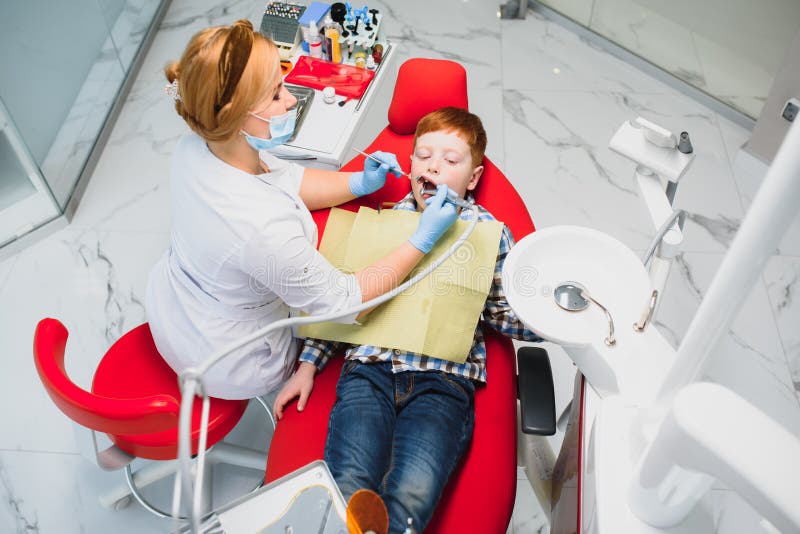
x=135 y=400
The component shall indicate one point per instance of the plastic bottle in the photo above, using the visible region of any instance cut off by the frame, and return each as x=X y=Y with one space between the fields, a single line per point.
x=377 y=53
x=314 y=41
x=323 y=34
x=333 y=49
x=359 y=57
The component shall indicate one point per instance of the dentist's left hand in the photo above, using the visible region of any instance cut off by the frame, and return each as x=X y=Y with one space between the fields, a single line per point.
x=300 y=385
x=373 y=177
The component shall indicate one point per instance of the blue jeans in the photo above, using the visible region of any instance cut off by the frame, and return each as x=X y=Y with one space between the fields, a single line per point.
x=399 y=435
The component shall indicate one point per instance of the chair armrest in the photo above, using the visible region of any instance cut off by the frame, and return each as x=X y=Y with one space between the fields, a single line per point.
x=535 y=391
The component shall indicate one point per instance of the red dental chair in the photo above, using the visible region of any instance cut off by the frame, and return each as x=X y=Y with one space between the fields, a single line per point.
x=480 y=494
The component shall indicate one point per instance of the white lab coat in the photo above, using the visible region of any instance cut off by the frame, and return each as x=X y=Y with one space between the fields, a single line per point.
x=242 y=252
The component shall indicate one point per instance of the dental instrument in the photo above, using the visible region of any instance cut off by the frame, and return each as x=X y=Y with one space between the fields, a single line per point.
x=658 y=154
x=373 y=158
x=191 y=385
x=452 y=197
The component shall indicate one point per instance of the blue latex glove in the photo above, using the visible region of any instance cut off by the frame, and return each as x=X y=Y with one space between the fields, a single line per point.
x=436 y=219
x=374 y=175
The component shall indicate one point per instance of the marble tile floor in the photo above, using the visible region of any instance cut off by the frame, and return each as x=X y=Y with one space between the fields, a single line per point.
x=550 y=101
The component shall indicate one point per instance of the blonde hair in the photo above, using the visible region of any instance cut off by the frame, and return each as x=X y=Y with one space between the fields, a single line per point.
x=212 y=102
x=459 y=121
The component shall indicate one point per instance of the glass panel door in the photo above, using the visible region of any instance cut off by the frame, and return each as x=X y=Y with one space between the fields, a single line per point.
x=25 y=200
x=61 y=71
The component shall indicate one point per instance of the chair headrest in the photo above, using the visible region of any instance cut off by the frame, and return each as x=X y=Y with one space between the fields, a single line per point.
x=425 y=85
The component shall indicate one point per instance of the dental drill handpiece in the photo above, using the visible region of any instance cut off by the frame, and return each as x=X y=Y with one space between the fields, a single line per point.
x=452 y=197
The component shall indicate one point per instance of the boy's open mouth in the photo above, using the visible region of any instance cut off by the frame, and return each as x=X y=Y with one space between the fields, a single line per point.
x=425 y=183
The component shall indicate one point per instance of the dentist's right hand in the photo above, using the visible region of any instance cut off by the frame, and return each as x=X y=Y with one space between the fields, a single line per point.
x=438 y=216
x=373 y=177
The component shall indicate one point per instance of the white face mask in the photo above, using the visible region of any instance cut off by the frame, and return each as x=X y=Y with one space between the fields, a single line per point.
x=281 y=128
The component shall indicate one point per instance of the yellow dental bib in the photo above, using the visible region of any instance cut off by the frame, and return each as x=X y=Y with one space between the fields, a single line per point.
x=437 y=317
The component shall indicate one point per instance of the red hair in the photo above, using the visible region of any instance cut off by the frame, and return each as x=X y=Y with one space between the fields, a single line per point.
x=466 y=125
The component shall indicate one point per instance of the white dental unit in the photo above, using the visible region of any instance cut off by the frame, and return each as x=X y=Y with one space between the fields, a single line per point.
x=646 y=439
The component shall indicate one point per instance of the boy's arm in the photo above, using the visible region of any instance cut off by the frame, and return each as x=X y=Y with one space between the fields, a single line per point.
x=300 y=385
x=497 y=311
x=316 y=353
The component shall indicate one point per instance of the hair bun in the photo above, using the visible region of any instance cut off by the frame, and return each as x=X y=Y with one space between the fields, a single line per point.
x=218 y=88
x=243 y=22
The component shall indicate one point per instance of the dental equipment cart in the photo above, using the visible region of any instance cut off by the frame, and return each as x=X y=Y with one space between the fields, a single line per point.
x=326 y=131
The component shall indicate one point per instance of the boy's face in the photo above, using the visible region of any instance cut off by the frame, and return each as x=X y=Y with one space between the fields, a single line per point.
x=442 y=158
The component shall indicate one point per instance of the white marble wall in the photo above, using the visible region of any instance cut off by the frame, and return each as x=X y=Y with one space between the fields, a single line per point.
x=729 y=50
x=550 y=102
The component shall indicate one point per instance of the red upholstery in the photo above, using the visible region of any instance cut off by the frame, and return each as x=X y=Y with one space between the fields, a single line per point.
x=486 y=477
x=424 y=85
x=135 y=397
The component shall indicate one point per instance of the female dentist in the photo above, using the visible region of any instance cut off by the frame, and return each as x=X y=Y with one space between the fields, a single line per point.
x=243 y=243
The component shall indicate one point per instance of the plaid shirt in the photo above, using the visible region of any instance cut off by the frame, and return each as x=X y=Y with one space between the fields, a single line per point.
x=496 y=313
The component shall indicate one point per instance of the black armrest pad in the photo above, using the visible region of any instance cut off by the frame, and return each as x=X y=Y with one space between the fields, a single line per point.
x=535 y=392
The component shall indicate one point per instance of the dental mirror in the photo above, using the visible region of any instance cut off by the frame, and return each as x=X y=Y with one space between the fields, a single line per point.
x=569 y=296
x=572 y=296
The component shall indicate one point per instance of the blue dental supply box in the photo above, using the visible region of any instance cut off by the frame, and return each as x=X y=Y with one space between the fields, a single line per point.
x=315 y=12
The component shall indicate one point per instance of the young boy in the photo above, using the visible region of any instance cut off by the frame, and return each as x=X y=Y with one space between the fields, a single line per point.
x=402 y=420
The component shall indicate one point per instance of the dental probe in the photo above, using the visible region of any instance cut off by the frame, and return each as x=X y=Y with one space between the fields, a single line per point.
x=373 y=158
